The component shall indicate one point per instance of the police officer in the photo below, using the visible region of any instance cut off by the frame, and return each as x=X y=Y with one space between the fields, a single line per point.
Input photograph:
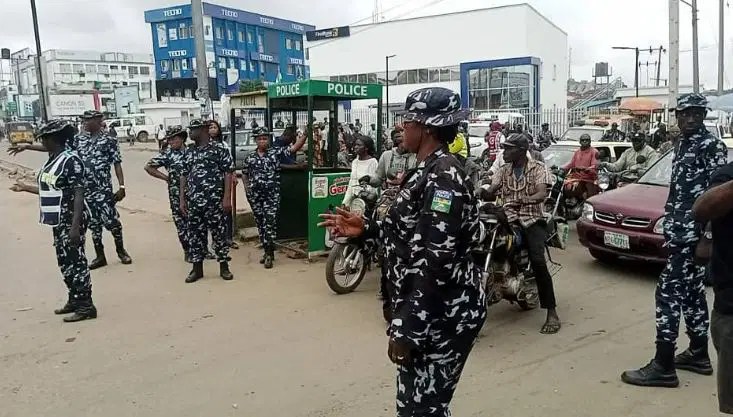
x=171 y=158
x=681 y=285
x=261 y=177
x=438 y=303
x=61 y=184
x=545 y=138
x=205 y=195
x=99 y=152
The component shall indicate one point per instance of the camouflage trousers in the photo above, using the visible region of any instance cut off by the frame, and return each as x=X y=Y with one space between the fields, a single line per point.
x=179 y=219
x=681 y=290
x=73 y=263
x=204 y=218
x=425 y=386
x=265 y=204
x=104 y=214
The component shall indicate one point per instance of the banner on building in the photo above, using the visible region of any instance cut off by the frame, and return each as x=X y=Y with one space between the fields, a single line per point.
x=127 y=100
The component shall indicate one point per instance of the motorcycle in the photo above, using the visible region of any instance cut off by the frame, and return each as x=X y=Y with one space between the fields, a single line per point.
x=349 y=260
x=560 y=200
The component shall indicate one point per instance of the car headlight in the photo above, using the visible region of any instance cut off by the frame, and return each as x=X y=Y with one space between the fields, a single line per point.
x=588 y=212
x=659 y=226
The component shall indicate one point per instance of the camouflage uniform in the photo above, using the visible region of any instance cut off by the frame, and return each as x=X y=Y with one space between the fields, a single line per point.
x=681 y=285
x=172 y=161
x=545 y=139
x=438 y=303
x=99 y=153
x=204 y=168
x=263 y=191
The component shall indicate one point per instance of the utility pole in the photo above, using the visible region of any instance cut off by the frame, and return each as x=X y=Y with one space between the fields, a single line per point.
x=721 y=47
x=695 y=62
x=674 y=57
x=202 y=70
x=39 y=72
x=659 y=65
x=636 y=65
x=386 y=82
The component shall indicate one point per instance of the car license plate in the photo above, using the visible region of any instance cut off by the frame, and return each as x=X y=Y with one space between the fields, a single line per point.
x=616 y=240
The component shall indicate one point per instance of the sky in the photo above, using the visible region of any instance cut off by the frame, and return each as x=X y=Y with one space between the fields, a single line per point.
x=593 y=27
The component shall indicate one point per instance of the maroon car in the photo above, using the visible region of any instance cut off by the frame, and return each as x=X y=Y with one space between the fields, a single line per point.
x=627 y=222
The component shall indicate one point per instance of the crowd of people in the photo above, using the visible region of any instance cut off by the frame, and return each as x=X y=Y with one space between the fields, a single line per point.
x=435 y=298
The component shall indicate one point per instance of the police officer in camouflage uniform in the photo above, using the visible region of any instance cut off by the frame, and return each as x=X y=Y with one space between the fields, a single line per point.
x=60 y=186
x=261 y=177
x=438 y=302
x=681 y=288
x=171 y=158
x=99 y=152
x=205 y=195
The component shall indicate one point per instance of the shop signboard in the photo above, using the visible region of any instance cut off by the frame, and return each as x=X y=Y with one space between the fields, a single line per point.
x=70 y=104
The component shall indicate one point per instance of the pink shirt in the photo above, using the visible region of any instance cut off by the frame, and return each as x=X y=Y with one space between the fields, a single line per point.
x=587 y=158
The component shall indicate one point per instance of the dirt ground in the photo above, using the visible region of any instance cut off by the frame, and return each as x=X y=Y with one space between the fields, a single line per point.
x=279 y=343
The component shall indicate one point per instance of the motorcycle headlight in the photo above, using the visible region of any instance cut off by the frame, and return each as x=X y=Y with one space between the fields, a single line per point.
x=659 y=226
x=588 y=212
x=603 y=182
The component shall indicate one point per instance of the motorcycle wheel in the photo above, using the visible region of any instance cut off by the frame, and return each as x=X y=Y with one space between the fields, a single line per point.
x=528 y=298
x=343 y=279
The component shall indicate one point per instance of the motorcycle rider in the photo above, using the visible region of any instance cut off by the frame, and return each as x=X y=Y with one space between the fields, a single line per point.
x=629 y=160
x=494 y=138
x=613 y=134
x=523 y=184
x=659 y=137
x=459 y=147
x=584 y=164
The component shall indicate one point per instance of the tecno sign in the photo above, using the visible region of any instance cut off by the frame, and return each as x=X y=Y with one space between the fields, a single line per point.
x=267 y=21
x=229 y=13
x=347 y=90
x=181 y=52
x=172 y=12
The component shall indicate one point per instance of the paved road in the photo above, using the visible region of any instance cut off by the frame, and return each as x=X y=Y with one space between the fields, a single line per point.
x=280 y=344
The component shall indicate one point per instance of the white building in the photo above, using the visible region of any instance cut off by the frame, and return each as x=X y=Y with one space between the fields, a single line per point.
x=508 y=57
x=84 y=74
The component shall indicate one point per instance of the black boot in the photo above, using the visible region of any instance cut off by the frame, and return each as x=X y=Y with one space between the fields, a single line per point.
x=196 y=273
x=660 y=372
x=85 y=310
x=264 y=256
x=269 y=258
x=122 y=253
x=100 y=260
x=68 y=308
x=224 y=271
x=695 y=358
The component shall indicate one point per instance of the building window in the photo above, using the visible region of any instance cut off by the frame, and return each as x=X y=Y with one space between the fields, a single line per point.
x=115 y=68
x=177 y=92
x=262 y=68
x=222 y=63
x=144 y=70
x=218 y=33
x=90 y=68
x=232 y=63
x=65 y=68
x=78 y=68
x=249 y=37
x=182 y=31
x=187 y=93
x=230 y=34
x=176 y=65
x=297 y=45
x=260 y=44
x=243 y=64
x=252 y=66
x=123 y=67
x=288 y=43
x=184 y=64
x=240 y=36
x=207 y=30
x=132 y=70
x=290 y=69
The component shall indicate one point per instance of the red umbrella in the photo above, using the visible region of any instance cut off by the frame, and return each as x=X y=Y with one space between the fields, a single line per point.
x=640 y=105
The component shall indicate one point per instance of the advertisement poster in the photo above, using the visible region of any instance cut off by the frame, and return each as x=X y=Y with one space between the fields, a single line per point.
x=325 y=193
x=70 y=104
x=162 y=35
x=173 y=34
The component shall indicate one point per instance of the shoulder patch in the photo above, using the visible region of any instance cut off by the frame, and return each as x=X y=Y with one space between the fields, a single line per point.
x=442 y=201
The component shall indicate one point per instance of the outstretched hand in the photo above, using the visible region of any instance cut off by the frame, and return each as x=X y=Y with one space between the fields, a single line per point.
x=343 y=224
x=18 y=148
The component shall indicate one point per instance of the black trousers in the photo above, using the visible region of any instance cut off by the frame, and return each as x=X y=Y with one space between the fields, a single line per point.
x=536 y=234
x=721 y=328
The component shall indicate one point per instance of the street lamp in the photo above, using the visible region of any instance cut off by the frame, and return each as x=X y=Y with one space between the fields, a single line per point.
x=386 y=81
x=636 y=65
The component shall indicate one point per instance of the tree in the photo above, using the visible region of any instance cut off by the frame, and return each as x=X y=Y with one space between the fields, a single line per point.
x=248 y=86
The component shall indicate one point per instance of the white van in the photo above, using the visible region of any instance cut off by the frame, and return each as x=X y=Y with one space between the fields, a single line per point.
x=140 y=126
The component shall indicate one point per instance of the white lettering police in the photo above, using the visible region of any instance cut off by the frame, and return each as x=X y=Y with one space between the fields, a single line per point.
x=347 y=90
x=267 y=21
x=172 y=12
x=287 y=90
x=229 y=13
x=181 y=52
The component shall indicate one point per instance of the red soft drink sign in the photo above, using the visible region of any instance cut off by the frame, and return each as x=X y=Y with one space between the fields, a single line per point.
x=339 y=186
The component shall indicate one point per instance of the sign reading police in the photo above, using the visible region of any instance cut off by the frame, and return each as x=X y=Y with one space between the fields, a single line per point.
x=320 y=88
x=319 y=35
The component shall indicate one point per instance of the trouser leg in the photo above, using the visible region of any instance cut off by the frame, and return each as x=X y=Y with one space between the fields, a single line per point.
x=536 y=235
x=694 y=303
x=669 y=294
x=180 y=221
x=270 y=209
x=216 y=223
x=196 y=231
x=256 y=202
x=722 y=332
x=73 y=264
x=95 y=201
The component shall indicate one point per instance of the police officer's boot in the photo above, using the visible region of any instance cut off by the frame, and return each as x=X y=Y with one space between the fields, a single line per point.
x=695 y=358
x=85 y=310
x=660 y=372
x=269 y=257
x=264 y=256
x=68 y=308
x=197 y=272
x=101 y=259
x=224 y=271
x=122 y=253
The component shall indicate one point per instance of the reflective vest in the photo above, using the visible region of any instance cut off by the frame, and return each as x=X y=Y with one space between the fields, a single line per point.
x=49 y=196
